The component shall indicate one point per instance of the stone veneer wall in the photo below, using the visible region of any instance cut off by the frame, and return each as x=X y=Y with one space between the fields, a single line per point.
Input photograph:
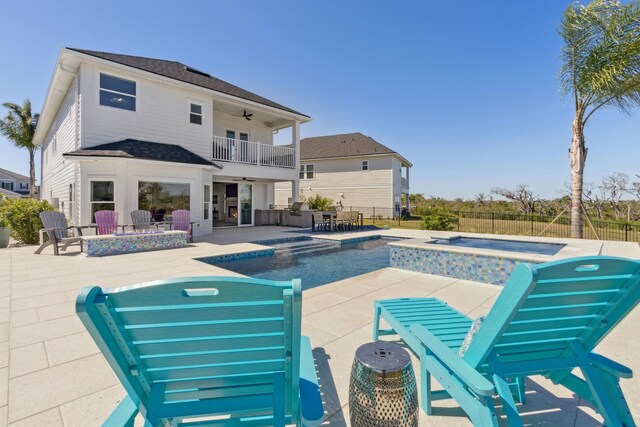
x=479 y=268
x=110 y=245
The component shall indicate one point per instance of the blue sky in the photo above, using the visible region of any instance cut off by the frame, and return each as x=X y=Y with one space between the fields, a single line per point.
x=467 y=91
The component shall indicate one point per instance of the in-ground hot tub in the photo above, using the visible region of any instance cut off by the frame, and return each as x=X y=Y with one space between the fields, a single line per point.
x=480 y=258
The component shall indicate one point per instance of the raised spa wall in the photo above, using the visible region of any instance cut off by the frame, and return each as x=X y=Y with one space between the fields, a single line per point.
x=494 y=269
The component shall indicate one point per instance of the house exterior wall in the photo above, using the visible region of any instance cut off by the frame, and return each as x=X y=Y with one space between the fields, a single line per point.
x=359 y=189
x=162 y=115
x=58 y=173
x=126 y=176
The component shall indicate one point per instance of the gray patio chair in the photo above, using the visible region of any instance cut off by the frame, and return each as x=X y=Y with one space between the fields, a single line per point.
x=141 y=220
x=55 y=224
x=320 y=223
x=342 y=220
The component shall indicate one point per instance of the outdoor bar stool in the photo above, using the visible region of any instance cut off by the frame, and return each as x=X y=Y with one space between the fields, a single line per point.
x=382 y=389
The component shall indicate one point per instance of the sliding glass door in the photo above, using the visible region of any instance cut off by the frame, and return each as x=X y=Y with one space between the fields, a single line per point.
x=245 y=196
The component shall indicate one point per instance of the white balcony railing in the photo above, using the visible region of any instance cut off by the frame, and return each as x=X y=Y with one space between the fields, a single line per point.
x=253 y=153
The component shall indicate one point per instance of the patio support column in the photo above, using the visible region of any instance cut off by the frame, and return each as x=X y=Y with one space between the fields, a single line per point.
x=408 y=202
x=295 y=140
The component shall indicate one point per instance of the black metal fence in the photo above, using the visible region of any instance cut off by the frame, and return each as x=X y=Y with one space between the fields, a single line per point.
x=511 y=223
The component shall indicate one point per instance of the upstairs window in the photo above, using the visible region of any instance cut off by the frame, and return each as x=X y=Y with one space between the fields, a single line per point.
x=306 y=172
x=117 y=93
x=365 y=165
x=195 y=114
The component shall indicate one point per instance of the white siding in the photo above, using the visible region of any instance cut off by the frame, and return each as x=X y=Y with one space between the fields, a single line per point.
x=127 y=174
x=344 y=180
x=162 y=115
x=58 y=173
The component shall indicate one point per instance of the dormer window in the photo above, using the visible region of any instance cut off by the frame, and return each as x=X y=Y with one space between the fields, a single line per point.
x=117 y=93
x=195 y=114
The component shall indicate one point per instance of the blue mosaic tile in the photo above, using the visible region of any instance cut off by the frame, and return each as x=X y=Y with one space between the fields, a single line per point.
x=478 y=268
x=282 y=240
x=233 y=257
x=137 y=242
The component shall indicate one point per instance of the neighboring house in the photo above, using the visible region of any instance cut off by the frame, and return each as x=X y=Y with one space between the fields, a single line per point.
x=14 y=182
x=353 y=170
x=126 y=132
x=10 y=194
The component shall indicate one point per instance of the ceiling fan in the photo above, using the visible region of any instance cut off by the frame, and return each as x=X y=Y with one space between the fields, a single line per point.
x=245 y=179
x=245 y=115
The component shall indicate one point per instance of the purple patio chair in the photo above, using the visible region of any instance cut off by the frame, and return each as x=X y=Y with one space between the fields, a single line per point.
x=182 y=222
x=106 y=222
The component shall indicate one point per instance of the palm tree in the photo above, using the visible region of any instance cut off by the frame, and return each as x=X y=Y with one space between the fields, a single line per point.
x=601 y=68
x=19 y=126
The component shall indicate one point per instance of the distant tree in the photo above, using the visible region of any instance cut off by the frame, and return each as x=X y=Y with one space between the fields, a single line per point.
x=614 y=186
x=19 y=126
x=634 y=189
x=521 y=195
x=601 y=68
x=482 y=200
x=592 y=194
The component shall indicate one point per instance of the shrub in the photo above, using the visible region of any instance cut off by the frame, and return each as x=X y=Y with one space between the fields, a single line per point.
x=22 y=215
x=319 y=203
x=437 y=218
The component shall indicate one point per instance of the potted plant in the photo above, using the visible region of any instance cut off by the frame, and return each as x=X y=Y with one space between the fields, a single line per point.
x=5 y=233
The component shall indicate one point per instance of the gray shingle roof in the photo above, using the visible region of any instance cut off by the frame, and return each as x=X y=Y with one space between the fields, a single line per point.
x=9 y=193
x=343 y=145
x=144 y=150
x=13 y=174
x=184 y=73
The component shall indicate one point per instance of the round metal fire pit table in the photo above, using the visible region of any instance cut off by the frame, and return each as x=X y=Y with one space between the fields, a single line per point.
x=382 y=390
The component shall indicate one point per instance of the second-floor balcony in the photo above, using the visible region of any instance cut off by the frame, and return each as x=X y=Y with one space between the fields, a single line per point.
x=253 y=153
x=404 y=183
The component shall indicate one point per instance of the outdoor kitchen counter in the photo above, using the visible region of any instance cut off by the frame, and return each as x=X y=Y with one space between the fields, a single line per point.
x=284 y=217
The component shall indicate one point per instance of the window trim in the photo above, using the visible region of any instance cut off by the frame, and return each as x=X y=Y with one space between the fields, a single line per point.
x=137 y=103
x=304 y=170
x=190 y=113
x=90 y=198
x=363 y=166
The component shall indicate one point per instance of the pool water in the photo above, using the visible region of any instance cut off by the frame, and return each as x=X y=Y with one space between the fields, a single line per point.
x=315 y=262
x=503 y=245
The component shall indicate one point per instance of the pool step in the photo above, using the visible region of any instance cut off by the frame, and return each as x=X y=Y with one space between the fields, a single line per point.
x=306 y=248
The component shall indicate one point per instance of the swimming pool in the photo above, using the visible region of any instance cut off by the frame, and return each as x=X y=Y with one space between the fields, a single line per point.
x=316 y=262
x=503 y=245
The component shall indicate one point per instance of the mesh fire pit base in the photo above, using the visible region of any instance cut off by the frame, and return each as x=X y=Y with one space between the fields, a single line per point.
x=382 y=390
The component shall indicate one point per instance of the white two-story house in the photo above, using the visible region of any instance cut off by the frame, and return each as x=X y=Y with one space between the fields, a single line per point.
x=13 y=184
x=125 y=132
x=353 y=170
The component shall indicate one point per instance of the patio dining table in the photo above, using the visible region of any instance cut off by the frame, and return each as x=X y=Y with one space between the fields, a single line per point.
x=331 y=216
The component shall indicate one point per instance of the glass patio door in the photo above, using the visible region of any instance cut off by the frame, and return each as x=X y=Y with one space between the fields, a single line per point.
x=245 y=200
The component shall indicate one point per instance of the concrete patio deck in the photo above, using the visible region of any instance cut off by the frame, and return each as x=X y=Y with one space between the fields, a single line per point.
x=51 y=373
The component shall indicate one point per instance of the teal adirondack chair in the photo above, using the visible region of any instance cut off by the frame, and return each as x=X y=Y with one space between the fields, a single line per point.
x=546 y=321
x=206 y=346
